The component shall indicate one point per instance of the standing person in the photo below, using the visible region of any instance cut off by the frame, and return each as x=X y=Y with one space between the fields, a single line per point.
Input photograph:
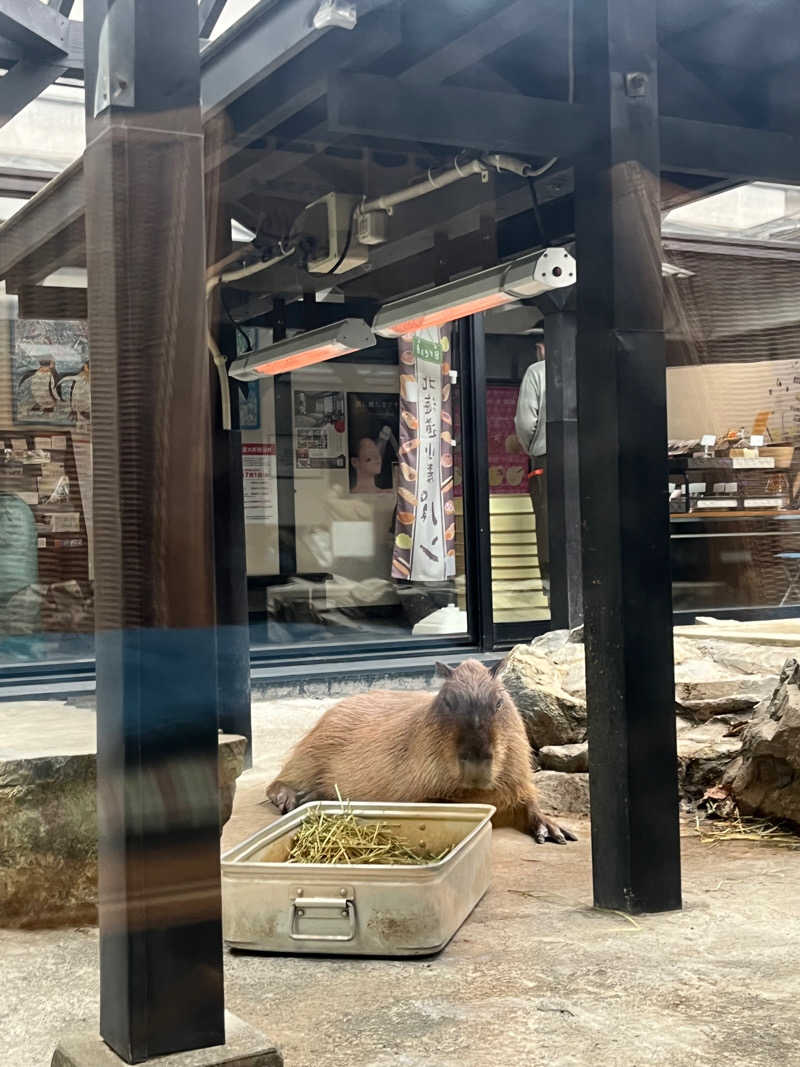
x=530 y=423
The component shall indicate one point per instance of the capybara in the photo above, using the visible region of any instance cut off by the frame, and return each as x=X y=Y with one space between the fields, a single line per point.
x=464 y=743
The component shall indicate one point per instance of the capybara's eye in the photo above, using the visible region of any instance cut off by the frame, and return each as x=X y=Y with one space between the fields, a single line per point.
x=499 y=704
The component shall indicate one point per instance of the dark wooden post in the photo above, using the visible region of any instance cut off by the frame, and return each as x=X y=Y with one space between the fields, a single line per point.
x=563 y=480
x=623 y=464
x=160 y=935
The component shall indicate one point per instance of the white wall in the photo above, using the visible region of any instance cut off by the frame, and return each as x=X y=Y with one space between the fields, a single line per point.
x=717 y=397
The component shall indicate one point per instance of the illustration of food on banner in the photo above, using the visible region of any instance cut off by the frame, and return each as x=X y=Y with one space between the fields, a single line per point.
x=424 y=541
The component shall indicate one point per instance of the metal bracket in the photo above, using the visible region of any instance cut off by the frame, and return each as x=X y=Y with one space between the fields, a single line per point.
x=115 y=60
x=636 y=83
x=336 y=13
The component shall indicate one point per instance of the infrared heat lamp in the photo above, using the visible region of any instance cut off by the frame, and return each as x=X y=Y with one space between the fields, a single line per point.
x=303 y=350
x=553 y=268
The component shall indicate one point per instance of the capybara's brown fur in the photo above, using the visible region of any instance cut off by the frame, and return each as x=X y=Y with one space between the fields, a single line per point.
x=465 y=743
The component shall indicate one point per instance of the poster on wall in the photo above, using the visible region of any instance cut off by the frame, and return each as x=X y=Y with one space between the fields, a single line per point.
x=250 y=406
x=247 y=340
x=319 y=429
x=50 y=373
x=424 y=543
x=508 y=463
x=259 y=474
x=372 y=431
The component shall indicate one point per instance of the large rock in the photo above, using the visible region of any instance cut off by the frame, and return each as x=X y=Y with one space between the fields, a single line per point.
x=552 y=716
x=48 y=831
x=704 y=753
x=548 y=643
x=572 y=759
x=563 y=794
x=706 y=688
x=765 y=778
x=741 y=657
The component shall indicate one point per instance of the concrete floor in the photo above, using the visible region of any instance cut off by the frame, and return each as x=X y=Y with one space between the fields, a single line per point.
x=535 y=976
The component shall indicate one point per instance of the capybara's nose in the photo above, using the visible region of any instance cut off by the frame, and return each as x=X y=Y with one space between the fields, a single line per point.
x=476 y=773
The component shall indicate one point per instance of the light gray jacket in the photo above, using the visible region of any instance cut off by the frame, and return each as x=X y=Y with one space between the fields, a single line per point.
x=530 y=421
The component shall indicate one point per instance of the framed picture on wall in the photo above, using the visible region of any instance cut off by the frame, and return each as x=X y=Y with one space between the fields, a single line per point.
x=250 y=406
x=50 y=372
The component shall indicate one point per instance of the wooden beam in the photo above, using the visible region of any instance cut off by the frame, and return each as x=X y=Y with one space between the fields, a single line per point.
x=622 y=437
x=449 y=115
x=694 y=147
x=34 y=25
x=52 y=302
x=304 y=80
x=208 y=13
x=370 y=105
x=59 y=204
x=23 y=83
x=161 y=980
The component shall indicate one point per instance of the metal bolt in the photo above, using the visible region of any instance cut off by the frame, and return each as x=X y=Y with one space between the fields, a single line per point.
x=422 y=844
x=300 y=892
x=636 y=83
x=344 y=913
x=301 y=911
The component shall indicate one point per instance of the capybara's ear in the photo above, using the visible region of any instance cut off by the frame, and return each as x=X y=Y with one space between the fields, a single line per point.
x=444 y=670
x=496 y=668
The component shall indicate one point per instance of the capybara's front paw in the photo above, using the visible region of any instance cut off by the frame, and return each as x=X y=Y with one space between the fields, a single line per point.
x=543 y=829
x=282 y=796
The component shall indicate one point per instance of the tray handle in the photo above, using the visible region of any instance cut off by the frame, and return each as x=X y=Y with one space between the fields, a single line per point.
x=301 y=905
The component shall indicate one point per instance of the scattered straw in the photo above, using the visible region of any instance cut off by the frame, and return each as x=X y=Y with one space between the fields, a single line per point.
x=341 y=837
x=727 y=824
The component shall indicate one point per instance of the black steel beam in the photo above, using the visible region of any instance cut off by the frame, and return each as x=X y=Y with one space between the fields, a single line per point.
x=563 y=476
x=161 y=977
x=23 y=83
x=622 y=433
x=34 y=26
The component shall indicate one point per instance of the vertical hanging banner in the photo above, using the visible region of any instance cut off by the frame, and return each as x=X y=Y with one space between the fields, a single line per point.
x=424 y=541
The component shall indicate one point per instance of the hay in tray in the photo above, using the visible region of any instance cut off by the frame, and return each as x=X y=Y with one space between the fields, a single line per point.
x=341 y=837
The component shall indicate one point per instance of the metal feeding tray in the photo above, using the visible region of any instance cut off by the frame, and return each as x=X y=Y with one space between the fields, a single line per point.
x=269 y=905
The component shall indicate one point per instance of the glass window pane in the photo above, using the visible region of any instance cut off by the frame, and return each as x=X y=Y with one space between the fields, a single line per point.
x=46 y=571
x=350 y=507
x=733 y=390
x=515 y=402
